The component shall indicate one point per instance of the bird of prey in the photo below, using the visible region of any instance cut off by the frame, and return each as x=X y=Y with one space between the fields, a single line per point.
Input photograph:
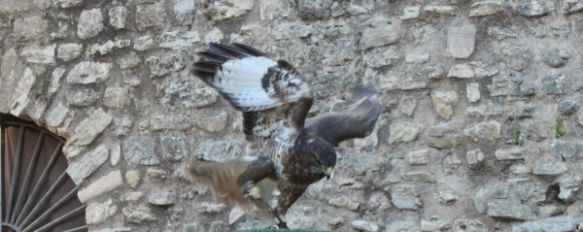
x=274 y=99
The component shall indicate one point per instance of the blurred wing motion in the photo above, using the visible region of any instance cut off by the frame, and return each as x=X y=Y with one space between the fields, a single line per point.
x=356 y=121
x=222 y=177
x=266 y=91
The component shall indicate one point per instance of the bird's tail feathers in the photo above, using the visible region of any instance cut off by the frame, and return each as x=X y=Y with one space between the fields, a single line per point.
x=222 y=178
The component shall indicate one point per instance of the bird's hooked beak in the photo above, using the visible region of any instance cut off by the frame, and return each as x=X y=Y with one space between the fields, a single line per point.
x=328 y=172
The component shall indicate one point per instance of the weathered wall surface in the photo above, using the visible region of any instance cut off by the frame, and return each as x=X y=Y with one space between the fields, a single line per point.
x=482 y=129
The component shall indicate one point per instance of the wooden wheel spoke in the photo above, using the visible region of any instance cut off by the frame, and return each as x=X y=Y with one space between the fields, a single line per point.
x=36 y=193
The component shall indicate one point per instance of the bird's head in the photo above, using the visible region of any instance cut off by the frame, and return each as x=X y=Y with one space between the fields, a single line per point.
x=322 y=156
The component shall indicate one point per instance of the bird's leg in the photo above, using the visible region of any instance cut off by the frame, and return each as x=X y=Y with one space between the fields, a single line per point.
x=251 y=191
x=259 y=169
x=281 y=223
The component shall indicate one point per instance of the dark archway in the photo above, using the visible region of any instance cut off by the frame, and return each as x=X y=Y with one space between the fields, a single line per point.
x=36 y=193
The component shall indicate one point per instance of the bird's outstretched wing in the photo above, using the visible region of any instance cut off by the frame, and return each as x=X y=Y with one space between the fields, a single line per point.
x=268 y=92
x=356 y=121
x=223 y=176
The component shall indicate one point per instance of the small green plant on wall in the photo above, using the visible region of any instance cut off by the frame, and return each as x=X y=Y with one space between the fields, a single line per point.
x=560 y=129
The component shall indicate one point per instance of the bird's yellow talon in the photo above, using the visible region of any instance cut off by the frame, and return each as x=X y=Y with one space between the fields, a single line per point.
x=254 y=193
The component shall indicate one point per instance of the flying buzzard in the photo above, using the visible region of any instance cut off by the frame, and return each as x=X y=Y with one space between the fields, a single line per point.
x=274 y=99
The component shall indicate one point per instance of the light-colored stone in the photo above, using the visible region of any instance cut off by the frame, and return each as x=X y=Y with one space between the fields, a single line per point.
x=139 y=214
x=469 y=225
x=165 y=64
x=444 y=102
x=292 y=30
x=184 y=11
x=214 y=36
x=475 y=158
x=116 y=97
x=29 y=28
x=118 y=16
x=39 y=55
x=411 y=12
x=144 y=43
x=67 y=3
x=381 y=57
x=140 y=151
x=441 y=9
x=556 y=57
x=580 y=116
x=404 y=79
x=236 y=215
x=115 y=153
x=88 y=72
x=87 y=131
x=133 y=178
x=56 y=115
x=442 y=136
x=174 y=146
x=421 y=157
x=150 y=16
x=218 y=150
x=362 y=225
x=381 y=32
x=212 y=207
x=132 y=196
x=404 y=196
x=406 y=225
x=23 y=92
x=473 y=92
x=82 y=97
x=533 y=8
x=418 y=176
x=571 y=6
x=486 y=8
x=193 y=93
x=102 y=49
x=90 y=23
x=510 y=210
x=96 y=213
x=69 y=51
x=463 y=71
x=344 y=202
x=313 y=10
x=461 y=39
x=107 y=183
x=514 y=153
x=211 y=121
x=56 y=77
x=378 y=201
x=403 y=132
x=417 y=58
x=227 y=9
x=549 y=168
x=178 y=39
x=162 y=197
x=434 y=224
x=83 y=167
x=489 y=131
x=129 y=60
x=407 y=105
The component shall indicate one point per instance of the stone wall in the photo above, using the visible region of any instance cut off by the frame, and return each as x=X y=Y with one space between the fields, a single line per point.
x=481 y=131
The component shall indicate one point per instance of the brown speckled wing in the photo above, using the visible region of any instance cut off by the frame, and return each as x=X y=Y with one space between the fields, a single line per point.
x=356 y=121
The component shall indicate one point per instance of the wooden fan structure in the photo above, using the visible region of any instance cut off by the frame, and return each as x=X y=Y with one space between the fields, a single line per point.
x=36 y=193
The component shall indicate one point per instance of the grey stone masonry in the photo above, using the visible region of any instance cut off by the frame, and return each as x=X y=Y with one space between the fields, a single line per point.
x=481 y=130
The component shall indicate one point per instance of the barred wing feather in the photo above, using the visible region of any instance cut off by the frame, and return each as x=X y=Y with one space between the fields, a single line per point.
x=268 y=92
